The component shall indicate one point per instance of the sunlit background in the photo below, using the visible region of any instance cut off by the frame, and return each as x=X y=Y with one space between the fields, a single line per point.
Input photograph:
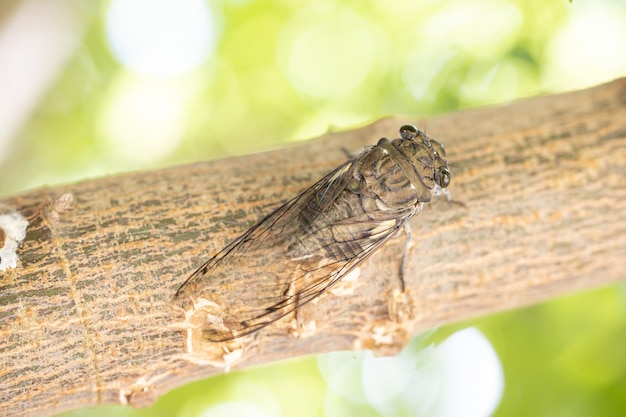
x=91 y=88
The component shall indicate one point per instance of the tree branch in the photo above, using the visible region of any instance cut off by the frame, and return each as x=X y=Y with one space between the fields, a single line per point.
x=86 y=318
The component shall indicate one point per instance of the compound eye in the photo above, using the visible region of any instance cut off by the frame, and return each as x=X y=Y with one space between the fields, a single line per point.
x=409 y=132
x=442 y=177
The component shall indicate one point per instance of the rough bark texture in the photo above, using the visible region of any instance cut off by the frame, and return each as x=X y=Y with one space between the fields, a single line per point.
x=86 y=319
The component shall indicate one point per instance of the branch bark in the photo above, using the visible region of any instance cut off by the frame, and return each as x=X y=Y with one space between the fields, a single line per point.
x=85 y=315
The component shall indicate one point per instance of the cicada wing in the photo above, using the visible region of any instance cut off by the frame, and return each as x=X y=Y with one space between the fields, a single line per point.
x=247 y=279
x=318 y=271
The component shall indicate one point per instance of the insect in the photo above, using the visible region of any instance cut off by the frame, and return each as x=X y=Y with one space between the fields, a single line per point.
x=307 y=245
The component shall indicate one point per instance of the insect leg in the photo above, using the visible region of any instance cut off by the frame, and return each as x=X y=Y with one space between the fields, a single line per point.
x=439 y=191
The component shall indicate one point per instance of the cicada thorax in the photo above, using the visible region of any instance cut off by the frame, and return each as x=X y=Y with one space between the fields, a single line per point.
x=426 y=155
x=384 y=184
x=373 y=189
x=402 y=173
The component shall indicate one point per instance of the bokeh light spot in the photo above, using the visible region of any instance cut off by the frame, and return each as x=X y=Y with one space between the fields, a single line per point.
x=480 y=27
x=458 y=35
x=160 y=38
x=472 y=376
x=461 y=377
x=589 y=49
x=143 y=121
x=327 y=51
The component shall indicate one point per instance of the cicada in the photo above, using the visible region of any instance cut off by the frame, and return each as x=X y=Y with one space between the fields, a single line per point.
x=311 y=242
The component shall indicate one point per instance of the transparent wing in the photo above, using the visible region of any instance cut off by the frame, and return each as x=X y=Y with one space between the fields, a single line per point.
x=287 y=259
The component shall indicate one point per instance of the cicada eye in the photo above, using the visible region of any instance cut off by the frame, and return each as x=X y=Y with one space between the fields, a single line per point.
x=409 y=132
x=442 y=177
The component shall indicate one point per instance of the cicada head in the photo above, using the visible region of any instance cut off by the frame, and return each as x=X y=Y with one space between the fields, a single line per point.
x=426 y=156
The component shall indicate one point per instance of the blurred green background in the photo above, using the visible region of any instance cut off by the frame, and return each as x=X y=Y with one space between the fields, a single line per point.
x=90 y=88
